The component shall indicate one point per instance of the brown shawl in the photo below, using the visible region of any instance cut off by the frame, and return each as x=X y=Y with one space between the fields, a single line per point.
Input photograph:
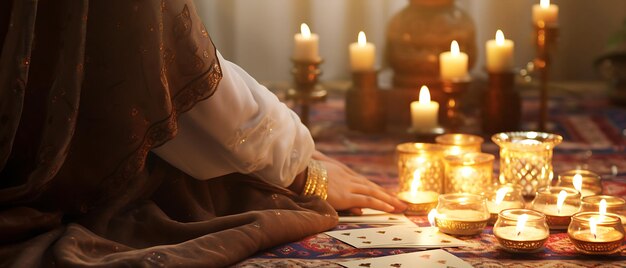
x=87 y=89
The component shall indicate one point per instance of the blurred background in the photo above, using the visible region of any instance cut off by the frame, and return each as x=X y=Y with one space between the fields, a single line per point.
x=258 y=35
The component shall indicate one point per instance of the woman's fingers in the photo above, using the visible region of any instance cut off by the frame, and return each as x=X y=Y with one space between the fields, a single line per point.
x=379 y=193
x=366 y=201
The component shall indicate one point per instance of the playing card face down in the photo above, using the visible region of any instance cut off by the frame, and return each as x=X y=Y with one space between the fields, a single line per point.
x=371 y=216
x=431 y=258
x=397 y=236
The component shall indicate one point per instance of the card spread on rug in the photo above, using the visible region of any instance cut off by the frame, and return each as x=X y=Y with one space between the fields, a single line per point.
x=431 y=258
x=397 y=236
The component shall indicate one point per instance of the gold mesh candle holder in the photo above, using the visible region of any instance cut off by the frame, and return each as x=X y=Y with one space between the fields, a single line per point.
x=461 y=214
x=420 y=173
x=614 y=204
x=589 y=182
x=458 y=144
x=468 y=173
x=547 y=200
x=595 y=234
x=521 y=234
x=526 y=159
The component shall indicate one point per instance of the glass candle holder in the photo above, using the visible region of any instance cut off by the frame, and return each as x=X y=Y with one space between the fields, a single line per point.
x=521 y=230
x=458 y=144
x=558 y=204
x=526 y=158
x=461 y=214
x=585 y=181
x=595 y=234
x=420 y=172
x=612 y=204
x=501 y=197
x=468 y=173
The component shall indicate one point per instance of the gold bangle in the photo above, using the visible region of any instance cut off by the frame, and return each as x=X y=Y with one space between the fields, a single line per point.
x=317 y=180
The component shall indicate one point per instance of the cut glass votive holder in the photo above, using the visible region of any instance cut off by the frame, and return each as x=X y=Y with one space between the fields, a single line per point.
x=468 y=173
x=586 y=182
x=547 y=202
x=595 y=234
x=458 y=144
x=420 y=173
x=461 y=214
x=614 y=204
x=521 y=234
x=526 y=158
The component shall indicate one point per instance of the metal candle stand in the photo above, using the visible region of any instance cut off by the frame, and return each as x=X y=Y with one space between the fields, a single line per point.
x=365 y=109
x=546 y=38
x=453 y=118
x=502 y=107
x=306 y=91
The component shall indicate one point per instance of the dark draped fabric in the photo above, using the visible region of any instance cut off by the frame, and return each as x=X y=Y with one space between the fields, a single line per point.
x=87 y=89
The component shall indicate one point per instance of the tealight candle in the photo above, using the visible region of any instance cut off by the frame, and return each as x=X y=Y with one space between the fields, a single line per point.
x=500 y=54
x=459 y=144
x=453 y=64
x=461 y=214
x=592 y=233
x=505 y=197
x=605 y=204
x=306 y=45
x=419 y=200
x=424 y=112
x=362 y=54
x=584 y=181
x=420 y=172
x=521 y=230
x=558 y=204
x=545 y=14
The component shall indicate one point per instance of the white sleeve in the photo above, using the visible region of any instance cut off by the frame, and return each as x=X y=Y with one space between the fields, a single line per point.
x=242 y=128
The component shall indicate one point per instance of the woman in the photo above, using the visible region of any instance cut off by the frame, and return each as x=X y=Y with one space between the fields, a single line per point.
x=126 y=139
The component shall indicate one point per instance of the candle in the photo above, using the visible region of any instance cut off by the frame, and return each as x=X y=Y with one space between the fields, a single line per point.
x=362 y=54
x=592 y=233
x=521 y=230
x=453 y=64
x=577 y=181
x=500 y=54
x=424 y=112
x=414 y=195
x=545 y=14
x=465 y=215
x=306 y=45
x=525 y=233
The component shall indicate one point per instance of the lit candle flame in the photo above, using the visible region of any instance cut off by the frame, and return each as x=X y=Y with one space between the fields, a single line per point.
x=500 y=194
x=560 y=200
x=602 y=209
x=544 y=3
x=593 y=227
x=416 y=183
x=500 y=38
x=362 y=39
x=305 y=31
x=431 y=217
x=454 y=48
x=521 y=222
x=424 y=95
x=578 y=182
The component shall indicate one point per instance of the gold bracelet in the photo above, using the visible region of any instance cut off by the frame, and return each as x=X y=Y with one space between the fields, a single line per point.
x=316 y=181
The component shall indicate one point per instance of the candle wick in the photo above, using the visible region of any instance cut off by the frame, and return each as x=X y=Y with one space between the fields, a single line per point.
x=594 y=236
x=519 y=233
x=558 y=211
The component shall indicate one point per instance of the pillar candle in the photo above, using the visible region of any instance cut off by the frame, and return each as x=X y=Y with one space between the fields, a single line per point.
x=499 y=54
x=424 y=111
x=362 y=54
x=453 y=64
x=545 y=14
x=306 y=45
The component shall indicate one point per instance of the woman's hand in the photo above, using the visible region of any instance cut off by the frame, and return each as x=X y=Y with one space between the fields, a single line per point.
x=348 y=190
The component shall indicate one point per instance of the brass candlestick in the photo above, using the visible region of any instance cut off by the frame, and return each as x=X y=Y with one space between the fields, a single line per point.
x=453 y=118
x=365 y=109
x=306 y=91
x=502 y=105
x=546 y=37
